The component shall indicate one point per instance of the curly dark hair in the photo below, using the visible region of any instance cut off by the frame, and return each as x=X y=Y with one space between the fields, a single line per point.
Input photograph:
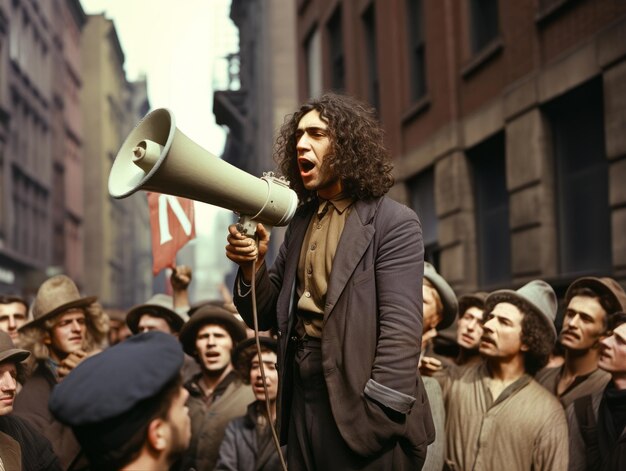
x=357 y=152
x=537 y=336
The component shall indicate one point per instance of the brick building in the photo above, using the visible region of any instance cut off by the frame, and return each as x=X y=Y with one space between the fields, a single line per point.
x=505 y=121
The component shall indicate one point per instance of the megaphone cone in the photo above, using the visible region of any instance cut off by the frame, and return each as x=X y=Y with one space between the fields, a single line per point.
x=157 y=157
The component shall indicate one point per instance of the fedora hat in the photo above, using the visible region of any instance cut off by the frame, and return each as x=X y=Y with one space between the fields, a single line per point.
x=446 y=294
x=537 y=295
x=210 y=314
x=159 y=305
x=8 y=352
x=55 y=295
x=602 y=286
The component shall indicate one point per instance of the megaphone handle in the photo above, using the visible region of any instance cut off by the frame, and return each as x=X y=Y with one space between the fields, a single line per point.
x=247 y=226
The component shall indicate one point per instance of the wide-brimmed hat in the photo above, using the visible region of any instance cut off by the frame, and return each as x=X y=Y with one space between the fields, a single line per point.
x=241 y=362
x=602 y=286
x=55 y=295
x=210 y=314
x=8 y=352
x=446 y=294
x=537 y=295
x=159 y=305
x=472 y=300
x=211 y=302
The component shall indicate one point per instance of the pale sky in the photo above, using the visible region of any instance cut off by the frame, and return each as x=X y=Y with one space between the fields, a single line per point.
x=180 y=46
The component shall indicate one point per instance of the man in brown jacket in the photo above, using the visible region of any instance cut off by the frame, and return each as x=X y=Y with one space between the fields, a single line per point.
x=590 y=303
x=345 y=295
x=217 y=394
x=66 y=328
x=498 y=417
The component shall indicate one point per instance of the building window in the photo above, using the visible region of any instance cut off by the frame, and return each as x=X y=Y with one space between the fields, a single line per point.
x=422 y=193
x=583 y=212
x=337 y=65
x=313 y=51
x=417 y=54
x=488 y=161
x=484 y=23
x=369 y=29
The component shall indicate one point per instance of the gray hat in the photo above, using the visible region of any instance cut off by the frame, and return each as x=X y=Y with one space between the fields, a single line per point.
x=537 y=295
x=159 y=305
x=8 y=352
x=446 y=293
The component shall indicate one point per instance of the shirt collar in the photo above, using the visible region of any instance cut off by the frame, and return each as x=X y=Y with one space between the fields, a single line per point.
x=340 y=202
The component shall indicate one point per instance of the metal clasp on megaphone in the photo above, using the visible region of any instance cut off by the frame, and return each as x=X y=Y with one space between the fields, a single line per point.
x=246 y=224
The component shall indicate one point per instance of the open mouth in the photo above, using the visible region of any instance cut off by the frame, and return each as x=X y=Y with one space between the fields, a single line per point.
x=487 y=340
x=305 y=165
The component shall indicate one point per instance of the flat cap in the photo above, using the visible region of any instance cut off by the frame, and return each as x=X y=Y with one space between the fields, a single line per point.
x=108 y=395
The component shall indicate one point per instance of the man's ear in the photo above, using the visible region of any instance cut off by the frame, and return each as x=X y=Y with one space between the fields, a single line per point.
x=524 y=347
x=46 y=338
x=157 y=438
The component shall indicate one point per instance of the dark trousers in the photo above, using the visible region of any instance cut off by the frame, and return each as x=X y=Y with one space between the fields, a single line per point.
x=314 y=441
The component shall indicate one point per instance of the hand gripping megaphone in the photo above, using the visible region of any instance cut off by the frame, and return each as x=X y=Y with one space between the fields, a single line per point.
x=157 y=157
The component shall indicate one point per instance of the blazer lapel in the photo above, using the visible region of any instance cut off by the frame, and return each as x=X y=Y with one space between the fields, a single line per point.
x=356 y=237
x=10 y=452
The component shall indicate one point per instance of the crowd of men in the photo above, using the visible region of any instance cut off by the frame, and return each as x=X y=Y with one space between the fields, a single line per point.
x=367 y=360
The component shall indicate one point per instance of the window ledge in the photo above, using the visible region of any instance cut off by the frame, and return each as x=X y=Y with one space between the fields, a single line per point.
x=550 y=9
x=483 y=57
x=419 y=107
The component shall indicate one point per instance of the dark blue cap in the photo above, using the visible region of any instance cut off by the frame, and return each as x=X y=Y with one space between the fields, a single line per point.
x=114 y=387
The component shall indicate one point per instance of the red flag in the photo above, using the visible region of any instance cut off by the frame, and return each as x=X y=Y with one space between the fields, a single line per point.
x=173 y=225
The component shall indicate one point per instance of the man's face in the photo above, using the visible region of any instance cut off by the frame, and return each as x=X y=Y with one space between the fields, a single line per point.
x=613 y=351
x=583 y=324
x=432 y=316
x=213 y=348
x=180 y=425
x=313 y=145
x=502 y=332
x=8 y=386
x=148 y=322
x=271 y=376
x=67 y=335
x=12 y=317
x=470 y=328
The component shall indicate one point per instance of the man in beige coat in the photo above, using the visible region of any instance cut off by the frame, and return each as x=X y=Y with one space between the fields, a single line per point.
x=498 y=416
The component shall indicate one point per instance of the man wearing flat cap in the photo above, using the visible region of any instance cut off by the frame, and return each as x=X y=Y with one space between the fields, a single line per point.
x=66 y=328
x=498 y=416
x=590 y=304
x=22 y=447
x=216 y=394
x=248 y=440
x=146 y=427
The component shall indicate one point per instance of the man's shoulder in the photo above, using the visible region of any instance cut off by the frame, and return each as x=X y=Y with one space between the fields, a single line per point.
x=544 y=402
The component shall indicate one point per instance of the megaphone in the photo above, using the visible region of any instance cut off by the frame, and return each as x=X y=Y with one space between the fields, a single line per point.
x=157 y=157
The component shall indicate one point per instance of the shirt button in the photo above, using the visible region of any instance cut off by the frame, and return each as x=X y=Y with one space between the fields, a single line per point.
x=313 y=246
x=319 y=226
x=309 y=271
x=307 y=294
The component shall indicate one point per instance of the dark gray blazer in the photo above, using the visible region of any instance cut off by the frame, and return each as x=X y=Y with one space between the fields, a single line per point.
x=372 y=326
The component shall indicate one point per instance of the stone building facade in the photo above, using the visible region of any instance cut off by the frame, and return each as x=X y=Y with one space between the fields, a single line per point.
x=505 y=121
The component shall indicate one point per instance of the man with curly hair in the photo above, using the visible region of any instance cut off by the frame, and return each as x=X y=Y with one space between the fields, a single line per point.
x=66 y=328
x=345 y=296
x=498 y=416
